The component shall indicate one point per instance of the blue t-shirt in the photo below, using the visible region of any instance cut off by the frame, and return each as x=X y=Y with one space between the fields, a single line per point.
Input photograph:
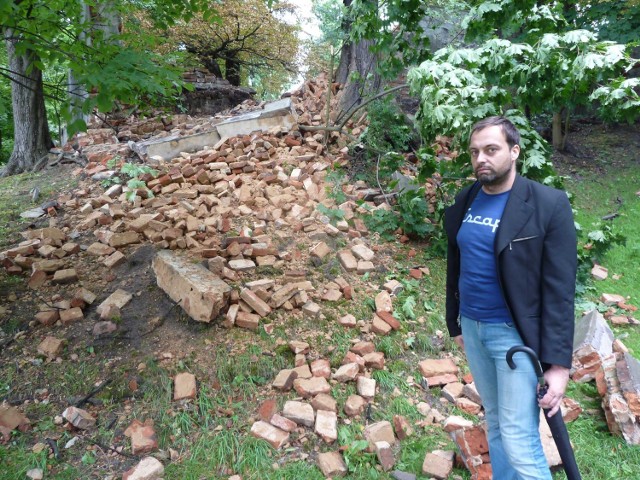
x=480 y=295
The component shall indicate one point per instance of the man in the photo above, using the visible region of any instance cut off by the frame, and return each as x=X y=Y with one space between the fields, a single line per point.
x=511 y=272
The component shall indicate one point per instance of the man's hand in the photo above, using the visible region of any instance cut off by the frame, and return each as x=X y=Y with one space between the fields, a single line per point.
x=557 y=378
x=459 y=341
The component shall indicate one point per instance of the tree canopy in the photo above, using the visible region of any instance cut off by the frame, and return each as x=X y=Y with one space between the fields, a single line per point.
x=248 y=40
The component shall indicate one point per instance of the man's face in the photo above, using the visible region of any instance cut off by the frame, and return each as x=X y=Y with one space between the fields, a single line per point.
x=491 y=158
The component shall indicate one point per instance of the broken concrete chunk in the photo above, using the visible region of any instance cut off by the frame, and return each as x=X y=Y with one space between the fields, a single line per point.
x=592 y=341
x=200 y=293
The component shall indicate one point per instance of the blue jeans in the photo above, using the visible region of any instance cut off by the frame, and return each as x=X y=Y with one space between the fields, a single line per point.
x=509 y=400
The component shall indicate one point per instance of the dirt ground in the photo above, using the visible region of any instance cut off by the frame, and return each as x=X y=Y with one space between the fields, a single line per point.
x=152 y=325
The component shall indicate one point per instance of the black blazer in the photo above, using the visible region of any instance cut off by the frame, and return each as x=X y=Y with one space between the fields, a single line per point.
x=536 y=259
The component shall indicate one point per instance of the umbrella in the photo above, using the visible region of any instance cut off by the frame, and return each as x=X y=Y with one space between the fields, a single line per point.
x=556 y=423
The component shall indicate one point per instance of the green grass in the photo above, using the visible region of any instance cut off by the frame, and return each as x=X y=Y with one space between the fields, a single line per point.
x=15 y=198
x=597 y=195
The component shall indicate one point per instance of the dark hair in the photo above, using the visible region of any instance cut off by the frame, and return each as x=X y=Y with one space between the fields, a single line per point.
x=510 y=131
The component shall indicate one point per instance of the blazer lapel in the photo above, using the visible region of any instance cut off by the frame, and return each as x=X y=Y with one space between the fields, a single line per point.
x=516 y=214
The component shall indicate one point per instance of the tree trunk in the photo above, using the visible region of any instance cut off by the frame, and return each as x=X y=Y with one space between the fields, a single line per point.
x=556 y=131
x=211 y=64
x=32 y=139
x=232 y=70
x=357 y=70
x=104 y=17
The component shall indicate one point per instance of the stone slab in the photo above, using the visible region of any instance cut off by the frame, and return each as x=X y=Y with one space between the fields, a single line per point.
x=200 y=293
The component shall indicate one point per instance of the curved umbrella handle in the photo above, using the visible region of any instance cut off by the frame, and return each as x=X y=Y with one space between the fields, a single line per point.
x=534 y=359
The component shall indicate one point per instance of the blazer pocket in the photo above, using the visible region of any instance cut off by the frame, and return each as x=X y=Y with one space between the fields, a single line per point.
x=521 y=239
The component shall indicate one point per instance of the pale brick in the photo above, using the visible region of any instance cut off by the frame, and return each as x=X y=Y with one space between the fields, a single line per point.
x=149 y=468
x=79 y=418
x=453 y=391
x=310 y=387
x=354 y=405
x=184 y=386
x=438 y=465
x=115 y=259
x=100 y=249
x=366 y=387
x=303 y=371
x=432 y=367
x=62 y=277
x=362 y=252
x=283 y=423
x=320 y=250
x=299 y=412
x=379 y=326
x=348 y=321
x=379 y=432
x=242 y=265
x=326 y=425
x=119 y=298
x=332 y=464
x=276 y=437
x=47 y=317
x=118 y=240
x=321 y=368
x=365 y=267
x=284 y=379
x=324 y=401
x=247 y=320
x=51 y=347
x=348 y=261
x=385 y=455
x=383 y=302
x=297 y=347
x=311 y=310
x=71 y=315
x=255 y=302
x=346 y=373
